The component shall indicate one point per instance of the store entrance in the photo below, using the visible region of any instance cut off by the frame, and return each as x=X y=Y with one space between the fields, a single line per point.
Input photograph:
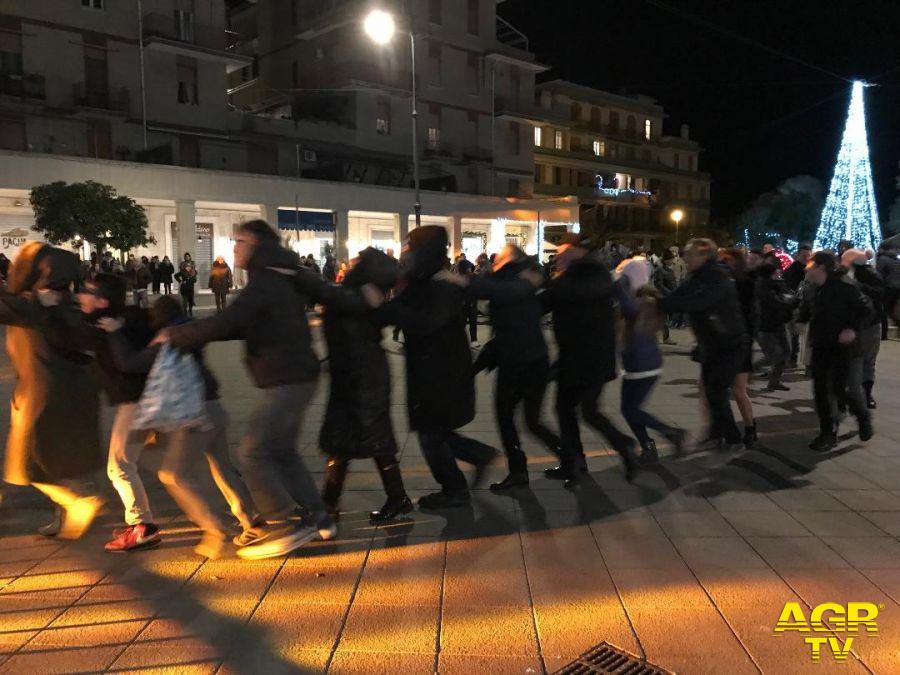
x=203 y=258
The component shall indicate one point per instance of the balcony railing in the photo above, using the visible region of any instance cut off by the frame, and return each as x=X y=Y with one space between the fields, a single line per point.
x=187 y=31
x=115 y=100
x=510 y=35
x=22 y=85
x=357 y=72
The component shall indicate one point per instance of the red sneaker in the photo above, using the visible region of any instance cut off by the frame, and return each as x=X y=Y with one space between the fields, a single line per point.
x=134 y=538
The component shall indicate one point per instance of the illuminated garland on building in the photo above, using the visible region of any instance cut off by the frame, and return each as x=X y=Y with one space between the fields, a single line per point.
x=850 y=211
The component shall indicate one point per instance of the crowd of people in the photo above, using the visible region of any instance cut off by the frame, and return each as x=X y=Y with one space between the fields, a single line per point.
x=820 y=312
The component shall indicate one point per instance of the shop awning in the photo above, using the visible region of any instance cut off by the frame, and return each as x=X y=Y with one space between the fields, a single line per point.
x=311 y=221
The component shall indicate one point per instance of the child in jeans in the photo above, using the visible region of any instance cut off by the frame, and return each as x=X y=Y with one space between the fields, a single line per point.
x=180 y=444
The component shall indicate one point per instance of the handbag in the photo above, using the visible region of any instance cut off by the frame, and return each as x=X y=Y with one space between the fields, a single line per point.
x=174 y=396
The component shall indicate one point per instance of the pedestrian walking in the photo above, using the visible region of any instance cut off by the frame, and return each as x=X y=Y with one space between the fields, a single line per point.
x=665 y=281
x=839 y=314
x=466 y=269
x=580 y=298
x=794 y=275
x=643 y=365
x=358 y=416
x=270 y=316
x=221 y=282
x=710 y=298
x=181 y=445
x=439 y=375
x=140 y=278
x=187 y=280
x=104 y=298
x=856 y=263
x=329 y=270
x=166 y=273
x=774 y=310
x=518 y=347
x=53 y=442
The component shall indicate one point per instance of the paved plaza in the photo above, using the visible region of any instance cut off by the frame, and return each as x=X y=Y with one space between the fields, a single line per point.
x=689 y=567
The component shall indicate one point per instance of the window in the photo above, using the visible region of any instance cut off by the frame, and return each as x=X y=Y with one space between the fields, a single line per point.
x=186 y=69
x=538 y=136
x=435 y=64
x=614 y=120
x=189 y=149
x=690 y=162
x=538 y=173
x=12 y=134
x=472 y=117
x=473 y=17
x=473 y=73
x=435 y=11
x=96 y=73
x=434 y=138
x=515 y=84
x=575 y=144
x=645 y=155
x=599 y=148
x=575 y=111
x=11 y=51
x=596 y=117
x=558 y=140
x=629 y=152
x=434 y=127
x=383 y=117
x=295 y=75
x=631 y=126
x=514 y=139
x=648 y=129
x=557 y=175
x=514 y=187
x=184 y=25
x=92 y=4
x=677 y=161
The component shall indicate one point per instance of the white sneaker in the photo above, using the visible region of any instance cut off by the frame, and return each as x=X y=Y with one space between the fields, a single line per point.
x=476 y=344
x=327 y=531
x=287 y=539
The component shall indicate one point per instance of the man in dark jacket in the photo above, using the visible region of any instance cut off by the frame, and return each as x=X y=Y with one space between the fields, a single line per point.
x=269 y=315
x=793 y=277
x=711 y=299
x=518 y=349
x=859 y=272
x=887 y=264
x=774 y=309
x=839 y=314
x=580 y=298
x=439 y=375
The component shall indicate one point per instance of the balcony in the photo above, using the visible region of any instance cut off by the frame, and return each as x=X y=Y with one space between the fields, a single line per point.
x=352 y=74
x=22 y=85
x=117 y=100
x=517 y=110
x=589 y=194
x=183 y=36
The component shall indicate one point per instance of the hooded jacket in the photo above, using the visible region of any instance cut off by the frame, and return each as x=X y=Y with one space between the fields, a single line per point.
x=54 y=425
x=358 y=417
x=838 y=305
x=439 y=375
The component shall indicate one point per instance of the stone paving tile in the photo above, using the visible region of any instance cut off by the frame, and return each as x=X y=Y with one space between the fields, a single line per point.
x=807 y=500
x=807 y=553
x=458 y=664
x=386 y=663
x=887 y=521
x=70 y=660
x=866 y=552
x=694 y=524
x=486 y=630
x=390 y=628
x=765 y=524
x=868 y=500
x=837 y=524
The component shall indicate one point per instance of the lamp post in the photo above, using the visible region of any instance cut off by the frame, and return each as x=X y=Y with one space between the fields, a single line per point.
x=380 y=27
x=677 y=216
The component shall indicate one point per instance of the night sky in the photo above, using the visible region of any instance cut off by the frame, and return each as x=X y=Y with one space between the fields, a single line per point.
x=760 y=116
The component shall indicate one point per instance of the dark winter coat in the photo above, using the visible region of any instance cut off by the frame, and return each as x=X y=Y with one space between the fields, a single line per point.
x=439 y=375
x=709 y=296
x=120 y=387
x=220 y=279
x=54 y=423
x=155 y=272
x=872 y=286
x=166 y=271
x=838 y=305
x=793 y=275
x=888 y=266
x=774 y=304
x=139 y=277
x=358 y=417
x=270 y=316
x=584 y=324
x=746 y=290
x=516 y=314
x=664 y=279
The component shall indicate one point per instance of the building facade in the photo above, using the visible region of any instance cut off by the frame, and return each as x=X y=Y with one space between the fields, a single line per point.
x=610 y=151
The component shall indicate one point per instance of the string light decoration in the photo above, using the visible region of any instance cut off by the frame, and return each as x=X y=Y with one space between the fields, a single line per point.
x=850 y=211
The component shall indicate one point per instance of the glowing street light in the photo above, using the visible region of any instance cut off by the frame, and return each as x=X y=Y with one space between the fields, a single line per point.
x=677 y=216
x=380 y=26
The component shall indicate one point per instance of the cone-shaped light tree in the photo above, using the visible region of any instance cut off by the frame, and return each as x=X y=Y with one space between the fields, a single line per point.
x=850 y=211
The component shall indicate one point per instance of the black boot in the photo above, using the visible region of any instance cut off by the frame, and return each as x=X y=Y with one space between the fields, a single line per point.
x=751 y=438
x=630 y=461
x=397 y=502
x=335 y=475
x=870 y=402
x=649 y=455
x=677 y=437
x=513 y=480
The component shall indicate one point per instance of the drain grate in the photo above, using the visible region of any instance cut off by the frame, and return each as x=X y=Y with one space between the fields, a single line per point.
x=604 y=658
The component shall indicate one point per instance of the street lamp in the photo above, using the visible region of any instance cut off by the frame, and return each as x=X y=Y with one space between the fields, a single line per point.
x=380 y=27
x=677 y=216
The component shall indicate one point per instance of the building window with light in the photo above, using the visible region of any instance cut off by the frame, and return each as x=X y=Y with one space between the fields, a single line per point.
x=383 y=117
x=538 y=137
x=558 y=140
x=434 y=138
x=648 y=129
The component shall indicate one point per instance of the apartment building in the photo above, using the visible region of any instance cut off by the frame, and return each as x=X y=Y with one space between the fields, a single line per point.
x=610 y=151
x=289 y=90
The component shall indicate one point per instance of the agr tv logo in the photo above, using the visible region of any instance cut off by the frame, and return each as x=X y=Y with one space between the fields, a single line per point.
x=830 y=617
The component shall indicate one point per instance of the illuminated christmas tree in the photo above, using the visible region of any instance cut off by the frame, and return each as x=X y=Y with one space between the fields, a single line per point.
x=850 y=211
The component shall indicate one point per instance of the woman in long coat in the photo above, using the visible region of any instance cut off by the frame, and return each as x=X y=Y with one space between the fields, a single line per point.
x=220 y=282
x=54 y=438
x=358 y=418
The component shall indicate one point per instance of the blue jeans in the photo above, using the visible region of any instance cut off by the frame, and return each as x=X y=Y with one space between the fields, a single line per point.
x=634 y=393
x=271 y=466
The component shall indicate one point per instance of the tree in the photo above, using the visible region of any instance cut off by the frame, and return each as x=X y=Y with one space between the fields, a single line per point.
x=790 y=213
x=90 y=211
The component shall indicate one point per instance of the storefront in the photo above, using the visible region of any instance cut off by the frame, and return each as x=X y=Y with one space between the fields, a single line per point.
x=308 y=232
